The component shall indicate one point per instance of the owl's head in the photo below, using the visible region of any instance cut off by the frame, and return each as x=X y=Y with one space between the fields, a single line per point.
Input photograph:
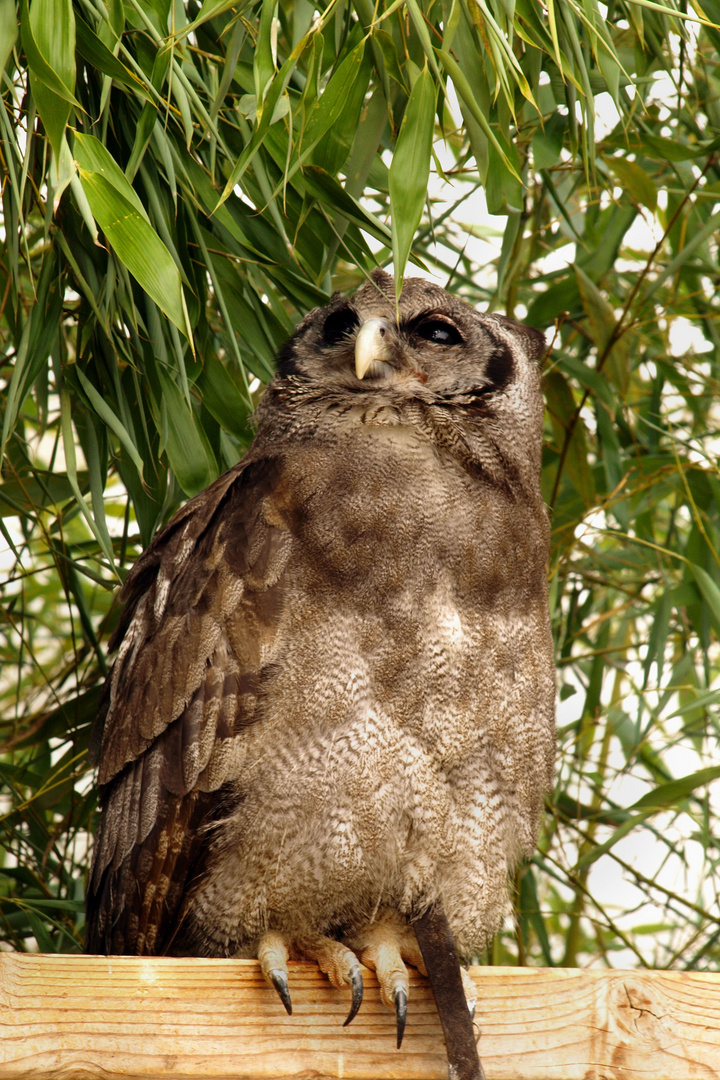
x=433 y=347
x=434 y=364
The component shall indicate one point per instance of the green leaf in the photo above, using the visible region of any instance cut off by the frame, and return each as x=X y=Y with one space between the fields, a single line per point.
x=341 y=116
x=326 y=187
x=35 y=343
x=95 y=51
x=568 y=425
x=635 y=180
x=92 y=156
x=668 y=149
x=8 y=30
x=602 y=321
x=503 y=188
x=410 y=170
x=105 y=413
x=137 y=245
x=676 y=791
x=222 y=398
x=49 y=39
x=463 y=88
x=40 y=932
x=562 y=296
x=30 y=495
x=390 y=57
x=710 y=594
x=590 y=379
x=40 y=68
x=263 y=65
x=209 y=10
x=265 y=117
x=68 y=437
x=188 y=450
x=547 y=142
x=602 y=849
x=330 y=107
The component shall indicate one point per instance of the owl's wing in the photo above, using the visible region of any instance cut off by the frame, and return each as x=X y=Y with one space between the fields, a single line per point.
x=202 y=610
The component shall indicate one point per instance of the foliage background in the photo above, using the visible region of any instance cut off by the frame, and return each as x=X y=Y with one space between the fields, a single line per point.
x=182 y=181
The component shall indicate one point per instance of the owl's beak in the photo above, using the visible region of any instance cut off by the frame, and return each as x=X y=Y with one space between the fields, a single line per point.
x=372 y=348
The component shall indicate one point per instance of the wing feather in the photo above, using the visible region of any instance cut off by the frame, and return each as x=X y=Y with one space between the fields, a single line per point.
x=202 y=610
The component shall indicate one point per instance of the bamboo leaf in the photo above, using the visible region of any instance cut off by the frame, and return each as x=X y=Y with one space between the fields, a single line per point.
x=188 y=451
x=49 y=38
x=95 y=51
x=569 y=428
x=636 y=181
x=603 y=321
x=105 y=412
x=72 y=475
x=8 y=30
x=137 y=245
x=710 y=594
x=410 y=170
x=673 y=792
x=463 y=88
x=92 y=156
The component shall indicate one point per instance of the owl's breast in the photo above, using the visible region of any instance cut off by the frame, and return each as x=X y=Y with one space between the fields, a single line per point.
x=387 y=511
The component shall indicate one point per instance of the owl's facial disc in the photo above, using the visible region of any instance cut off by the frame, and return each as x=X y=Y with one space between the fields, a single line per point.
x=372 y=348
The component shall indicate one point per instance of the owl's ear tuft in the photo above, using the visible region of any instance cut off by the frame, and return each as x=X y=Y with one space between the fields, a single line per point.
x=533 y=340
x=384 y=281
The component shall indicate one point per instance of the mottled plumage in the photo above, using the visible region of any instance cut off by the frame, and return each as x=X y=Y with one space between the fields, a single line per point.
x=333 y=699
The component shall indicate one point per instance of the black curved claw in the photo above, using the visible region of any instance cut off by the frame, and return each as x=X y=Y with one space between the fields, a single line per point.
x=356 y=982
x=400 y=998
x=280 y=982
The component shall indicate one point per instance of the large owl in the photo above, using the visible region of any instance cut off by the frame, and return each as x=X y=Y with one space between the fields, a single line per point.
x=330 y=724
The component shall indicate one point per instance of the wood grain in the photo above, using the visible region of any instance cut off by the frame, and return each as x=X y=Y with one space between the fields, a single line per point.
x=108 y=1017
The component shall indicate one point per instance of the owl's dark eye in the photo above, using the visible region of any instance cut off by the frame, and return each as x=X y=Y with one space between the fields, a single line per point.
x=439 y=332
x=340 y=324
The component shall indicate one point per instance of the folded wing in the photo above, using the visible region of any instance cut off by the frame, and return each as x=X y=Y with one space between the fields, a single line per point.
x=203 y=607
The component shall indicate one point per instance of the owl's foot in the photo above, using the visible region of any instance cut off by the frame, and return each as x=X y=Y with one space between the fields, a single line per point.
x=334 y=960
x=386 y=946
x=470 y=990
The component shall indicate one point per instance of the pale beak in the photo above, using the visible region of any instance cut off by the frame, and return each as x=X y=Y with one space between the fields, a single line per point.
x=372 y=347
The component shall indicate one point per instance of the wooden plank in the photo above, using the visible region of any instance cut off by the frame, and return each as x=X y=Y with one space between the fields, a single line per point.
x=87 y=1017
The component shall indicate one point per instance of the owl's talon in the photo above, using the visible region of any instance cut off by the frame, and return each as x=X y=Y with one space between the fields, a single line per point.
x=356 y=984
x=400 y=1014
x=470 y=990
x=279 y=980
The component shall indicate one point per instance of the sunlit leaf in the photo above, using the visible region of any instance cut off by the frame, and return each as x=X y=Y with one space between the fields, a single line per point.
x=137 y=245
x=49 y=38
x=410 y=170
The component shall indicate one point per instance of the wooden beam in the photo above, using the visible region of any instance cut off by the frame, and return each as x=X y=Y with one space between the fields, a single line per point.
x=80 y=1018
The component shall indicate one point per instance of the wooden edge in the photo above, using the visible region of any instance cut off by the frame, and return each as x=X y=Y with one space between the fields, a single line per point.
x=88 y=1017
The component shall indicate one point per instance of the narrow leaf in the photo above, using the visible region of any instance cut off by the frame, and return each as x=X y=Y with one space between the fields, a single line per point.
x=410 y=170
x=104 y=411
x=675 y=791
x=186 y=445
x=137 y=246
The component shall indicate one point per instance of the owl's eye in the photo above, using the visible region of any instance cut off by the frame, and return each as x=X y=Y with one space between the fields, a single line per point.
x=340 y=324
x=439 y=332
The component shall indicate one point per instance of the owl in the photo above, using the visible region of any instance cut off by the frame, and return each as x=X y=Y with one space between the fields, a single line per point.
x=329 y=727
